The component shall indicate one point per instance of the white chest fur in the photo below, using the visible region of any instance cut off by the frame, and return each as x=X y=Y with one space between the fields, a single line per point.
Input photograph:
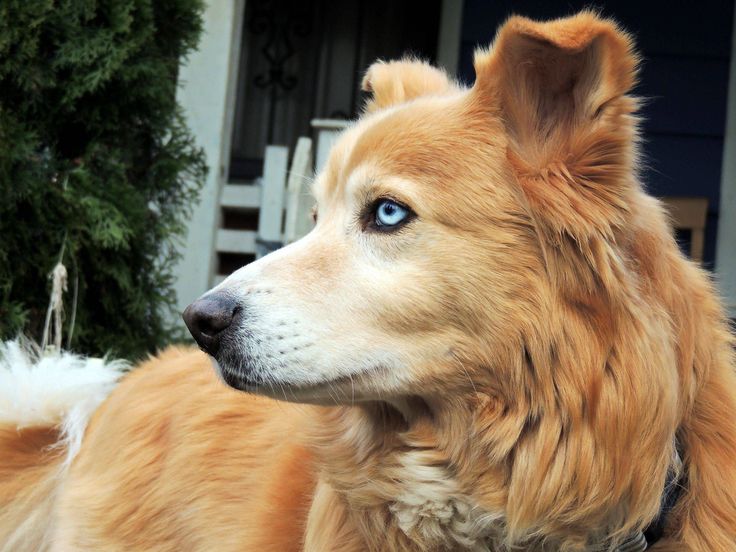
x=431 y=509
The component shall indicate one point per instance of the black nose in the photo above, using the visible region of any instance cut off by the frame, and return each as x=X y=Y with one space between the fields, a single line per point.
x=208 y=318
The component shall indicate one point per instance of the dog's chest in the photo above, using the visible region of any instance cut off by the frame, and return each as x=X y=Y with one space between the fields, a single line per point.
x=429 y=506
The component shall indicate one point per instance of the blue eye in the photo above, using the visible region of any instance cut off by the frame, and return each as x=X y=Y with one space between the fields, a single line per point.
x=389 y=214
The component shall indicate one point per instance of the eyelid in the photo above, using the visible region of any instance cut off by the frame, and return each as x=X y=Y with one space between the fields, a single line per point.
x=376 y=201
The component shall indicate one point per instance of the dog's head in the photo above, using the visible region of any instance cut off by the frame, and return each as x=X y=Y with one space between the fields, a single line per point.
x=428 y=270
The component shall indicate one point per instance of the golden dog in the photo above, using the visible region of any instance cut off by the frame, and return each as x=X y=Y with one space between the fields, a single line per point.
x=494 y=338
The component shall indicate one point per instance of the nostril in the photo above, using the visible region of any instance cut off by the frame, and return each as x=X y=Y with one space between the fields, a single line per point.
x=212 y=323
x=208 y=317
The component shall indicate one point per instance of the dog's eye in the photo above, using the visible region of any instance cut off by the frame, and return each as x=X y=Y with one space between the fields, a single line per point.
x=389 y=214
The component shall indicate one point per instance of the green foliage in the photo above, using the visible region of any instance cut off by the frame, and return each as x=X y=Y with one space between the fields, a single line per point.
x=94 y=152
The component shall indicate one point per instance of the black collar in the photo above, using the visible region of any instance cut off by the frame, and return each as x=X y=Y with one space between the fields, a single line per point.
x=675 y=482
x=640 y=541
x=672 y=491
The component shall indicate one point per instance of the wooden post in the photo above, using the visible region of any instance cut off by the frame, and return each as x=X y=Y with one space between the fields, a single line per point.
x=726 y=244
x=271 y=215
x=449 y=40
x=327 y=132
x=299 y=201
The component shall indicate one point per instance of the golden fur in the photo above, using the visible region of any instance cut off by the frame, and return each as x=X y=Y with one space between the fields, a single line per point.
x=553 y=345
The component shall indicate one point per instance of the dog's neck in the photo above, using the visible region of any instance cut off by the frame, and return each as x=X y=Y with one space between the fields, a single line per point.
x=418 y=476
x=387 y=469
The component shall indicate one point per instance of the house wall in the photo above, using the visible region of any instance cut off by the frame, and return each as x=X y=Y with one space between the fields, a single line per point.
x=206 y=92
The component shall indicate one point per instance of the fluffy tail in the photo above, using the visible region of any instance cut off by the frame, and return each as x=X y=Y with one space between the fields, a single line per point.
x=45 y=404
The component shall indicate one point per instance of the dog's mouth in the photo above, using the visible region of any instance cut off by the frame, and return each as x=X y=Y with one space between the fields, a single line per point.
x=344 y=389
x=395 y=410
x=239 y=381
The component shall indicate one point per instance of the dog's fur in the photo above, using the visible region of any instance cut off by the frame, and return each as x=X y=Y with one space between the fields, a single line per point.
x=516 y=366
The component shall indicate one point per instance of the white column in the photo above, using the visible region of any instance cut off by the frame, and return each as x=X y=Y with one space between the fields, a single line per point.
x=207 y=94
x=726 y=245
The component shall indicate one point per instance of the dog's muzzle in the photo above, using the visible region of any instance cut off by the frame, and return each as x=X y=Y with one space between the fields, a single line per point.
x=209 y=318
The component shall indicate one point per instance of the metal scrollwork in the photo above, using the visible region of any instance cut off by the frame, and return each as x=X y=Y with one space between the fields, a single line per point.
x=282 y=25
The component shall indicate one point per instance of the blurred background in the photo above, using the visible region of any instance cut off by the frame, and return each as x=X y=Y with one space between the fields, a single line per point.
x=256 y=91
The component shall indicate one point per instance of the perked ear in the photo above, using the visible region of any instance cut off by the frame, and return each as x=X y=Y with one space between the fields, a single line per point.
x=400 y=81
x=562 y=90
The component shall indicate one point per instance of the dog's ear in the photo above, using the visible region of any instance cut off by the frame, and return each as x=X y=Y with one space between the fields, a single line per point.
x=561 y=90
x=396 y=82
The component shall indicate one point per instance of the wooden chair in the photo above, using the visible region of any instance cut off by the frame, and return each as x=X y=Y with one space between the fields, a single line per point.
x=689 y=213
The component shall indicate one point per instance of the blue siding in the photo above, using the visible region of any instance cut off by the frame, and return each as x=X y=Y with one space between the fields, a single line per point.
x=686 y=49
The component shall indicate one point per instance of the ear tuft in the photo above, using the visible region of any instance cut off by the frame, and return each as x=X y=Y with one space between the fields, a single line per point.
x=396 y=82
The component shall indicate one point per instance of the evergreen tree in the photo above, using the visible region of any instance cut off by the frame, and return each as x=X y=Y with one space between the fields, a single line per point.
x=95 y=157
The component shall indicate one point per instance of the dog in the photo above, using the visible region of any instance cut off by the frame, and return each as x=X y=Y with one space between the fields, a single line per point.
x=489 y=341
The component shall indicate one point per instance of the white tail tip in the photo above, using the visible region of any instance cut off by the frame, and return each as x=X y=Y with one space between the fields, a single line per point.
x=59 y=389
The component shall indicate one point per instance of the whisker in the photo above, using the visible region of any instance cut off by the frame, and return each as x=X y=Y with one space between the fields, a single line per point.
x=469 y=378
x=304 y=177
x=283 y=390
x=352 y=386
x=336 y=396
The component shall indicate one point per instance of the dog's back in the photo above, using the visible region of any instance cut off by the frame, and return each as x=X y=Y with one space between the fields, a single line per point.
x=28 y=479
x=45 y=404
x=173 y=460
